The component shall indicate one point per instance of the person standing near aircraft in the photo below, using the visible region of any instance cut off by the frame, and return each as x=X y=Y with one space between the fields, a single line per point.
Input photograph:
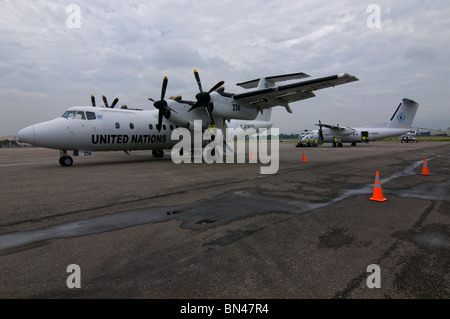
x=334 y=141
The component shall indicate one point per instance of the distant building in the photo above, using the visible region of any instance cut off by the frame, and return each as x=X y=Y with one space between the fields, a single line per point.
x=11 y=141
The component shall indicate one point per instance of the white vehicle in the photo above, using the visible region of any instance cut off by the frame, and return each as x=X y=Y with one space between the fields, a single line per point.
x=409 y=137
x=85 y=129
x=400 y=123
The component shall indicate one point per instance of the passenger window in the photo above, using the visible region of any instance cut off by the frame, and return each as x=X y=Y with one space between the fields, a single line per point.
x=90 y=115
x=150 y=126
x=131 y=125
x=164 y=127
x=171 y=127
x=117 y=125
x=80 y=115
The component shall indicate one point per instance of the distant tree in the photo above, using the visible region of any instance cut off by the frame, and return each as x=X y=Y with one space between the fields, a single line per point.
x=288 y=136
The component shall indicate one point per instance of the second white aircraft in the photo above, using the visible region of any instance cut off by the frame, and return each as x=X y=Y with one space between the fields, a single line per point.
x=399 y=123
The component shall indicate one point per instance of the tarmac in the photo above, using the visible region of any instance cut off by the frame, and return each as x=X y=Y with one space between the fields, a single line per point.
x=140 y=227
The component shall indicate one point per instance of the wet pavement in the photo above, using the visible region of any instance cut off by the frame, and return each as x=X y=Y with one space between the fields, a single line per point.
x=145 y=228
x=219 y=211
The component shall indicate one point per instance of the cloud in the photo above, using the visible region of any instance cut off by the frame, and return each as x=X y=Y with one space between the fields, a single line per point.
x=124 y=49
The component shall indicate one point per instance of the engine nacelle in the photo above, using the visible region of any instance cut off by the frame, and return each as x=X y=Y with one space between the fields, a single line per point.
x=228 y=108
x=177 y=118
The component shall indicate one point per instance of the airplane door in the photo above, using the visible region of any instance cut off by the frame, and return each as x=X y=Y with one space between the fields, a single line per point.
x=364 y=136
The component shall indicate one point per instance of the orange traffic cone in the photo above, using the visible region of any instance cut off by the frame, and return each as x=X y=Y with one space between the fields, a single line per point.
x=425 y=168
x=251 y=155
x=304 y=157
x=377 y=192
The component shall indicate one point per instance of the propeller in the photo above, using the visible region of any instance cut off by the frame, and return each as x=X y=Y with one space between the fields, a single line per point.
x=162 y=106
x=320 y=133
x=204 y=98
x=105 y=101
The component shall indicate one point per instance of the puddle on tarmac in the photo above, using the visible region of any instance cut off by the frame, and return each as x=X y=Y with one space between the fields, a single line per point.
x=222 y=210
x=432 y=239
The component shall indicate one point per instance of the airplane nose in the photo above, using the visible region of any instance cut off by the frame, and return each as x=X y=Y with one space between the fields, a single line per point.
x=27 y=135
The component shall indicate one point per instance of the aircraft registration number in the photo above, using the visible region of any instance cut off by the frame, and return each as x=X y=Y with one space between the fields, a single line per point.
x=84 y=153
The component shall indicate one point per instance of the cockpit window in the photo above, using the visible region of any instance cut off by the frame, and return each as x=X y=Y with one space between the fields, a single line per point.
x=90 y=115
x=69 y=114
x=80 y=115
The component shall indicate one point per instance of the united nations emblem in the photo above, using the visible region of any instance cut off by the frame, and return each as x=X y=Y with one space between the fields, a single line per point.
x=401 y=117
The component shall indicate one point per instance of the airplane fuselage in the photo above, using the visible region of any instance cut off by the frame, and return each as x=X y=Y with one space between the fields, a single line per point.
x=99 y=129
x=356 y=135
x=87 y=128
x=399 y=123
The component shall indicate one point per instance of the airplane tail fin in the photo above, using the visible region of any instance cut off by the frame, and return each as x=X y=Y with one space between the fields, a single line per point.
x=265 y=115
x=403 y=116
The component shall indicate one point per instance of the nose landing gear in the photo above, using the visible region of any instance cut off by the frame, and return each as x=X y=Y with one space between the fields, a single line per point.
x=64 y=159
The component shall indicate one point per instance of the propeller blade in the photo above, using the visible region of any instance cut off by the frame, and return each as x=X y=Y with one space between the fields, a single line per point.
x=164 y=87
x=105 y=101
x=197 y=77
x=160 y=117
x=209 y=111
x=93 y=100
x=215 y=87
x=196 y=105
x=320 y=133
x=114 y=102
x=171 y=109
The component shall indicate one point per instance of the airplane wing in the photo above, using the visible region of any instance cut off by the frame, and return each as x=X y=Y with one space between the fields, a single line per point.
x=331 y=127
x=338 y=130
x=276 y=78
x=285 y=94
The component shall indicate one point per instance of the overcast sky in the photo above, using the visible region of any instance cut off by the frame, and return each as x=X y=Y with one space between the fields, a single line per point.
x=49 y=62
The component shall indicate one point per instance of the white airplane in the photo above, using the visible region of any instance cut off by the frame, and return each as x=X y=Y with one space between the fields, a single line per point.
x=85 y=129
x=399 y=123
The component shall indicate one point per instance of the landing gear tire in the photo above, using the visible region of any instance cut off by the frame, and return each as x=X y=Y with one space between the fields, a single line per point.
x=353 y=143
x=65 y=160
